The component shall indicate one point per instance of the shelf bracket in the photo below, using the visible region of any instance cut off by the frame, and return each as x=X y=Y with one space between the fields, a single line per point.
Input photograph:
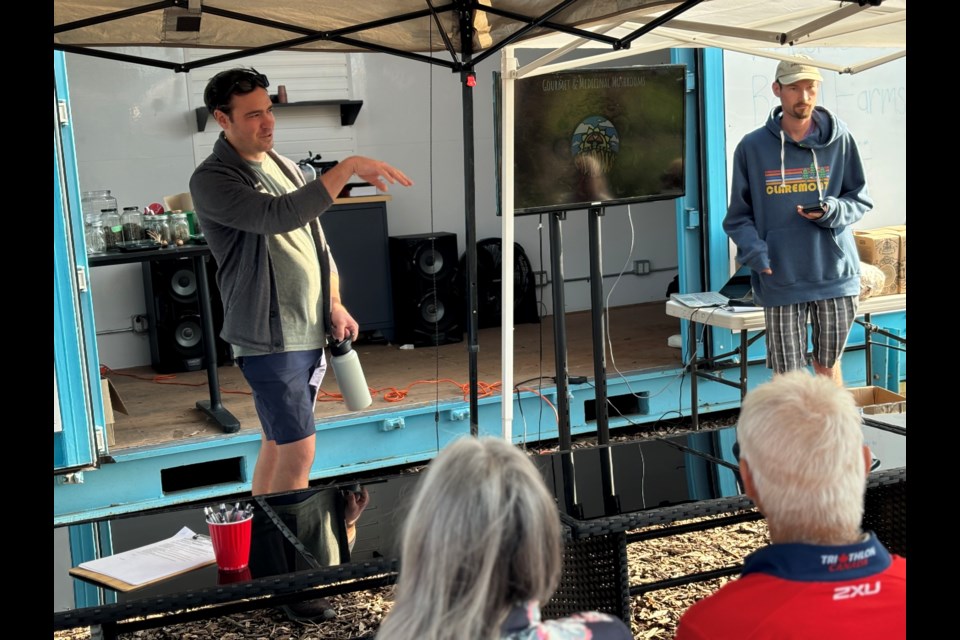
x=202 y=114
x=349 y=111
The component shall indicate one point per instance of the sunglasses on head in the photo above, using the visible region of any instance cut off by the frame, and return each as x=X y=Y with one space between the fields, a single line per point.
x=242 y=81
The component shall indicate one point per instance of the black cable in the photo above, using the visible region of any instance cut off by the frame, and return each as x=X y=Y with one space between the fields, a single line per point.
x=531 y=380
x=433 y=249
x=541 y=305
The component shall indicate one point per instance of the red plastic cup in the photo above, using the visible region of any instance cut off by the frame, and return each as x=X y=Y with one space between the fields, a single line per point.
x=231 y=543
x=229 y=577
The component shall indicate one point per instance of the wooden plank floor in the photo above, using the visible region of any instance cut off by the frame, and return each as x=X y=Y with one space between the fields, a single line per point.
x=162 y=408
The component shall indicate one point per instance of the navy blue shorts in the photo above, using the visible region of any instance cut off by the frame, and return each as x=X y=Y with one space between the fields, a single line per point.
x=285 y=387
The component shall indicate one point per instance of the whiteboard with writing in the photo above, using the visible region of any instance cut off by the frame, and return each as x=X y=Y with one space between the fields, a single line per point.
x=873 y=104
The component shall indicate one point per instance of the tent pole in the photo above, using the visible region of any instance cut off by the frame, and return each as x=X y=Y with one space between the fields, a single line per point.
x=467 y=79
x=508 y=67
x=470 y=208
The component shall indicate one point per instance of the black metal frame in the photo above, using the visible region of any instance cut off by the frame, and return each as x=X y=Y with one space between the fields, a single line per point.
x=595 y=573
x=884 y=513
x=721 y=361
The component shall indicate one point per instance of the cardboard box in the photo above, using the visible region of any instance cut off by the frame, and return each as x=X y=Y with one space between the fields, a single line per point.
x=111 y=401
x=873 y=400
x=179 y=201
x=881 y=248
x=901 y=231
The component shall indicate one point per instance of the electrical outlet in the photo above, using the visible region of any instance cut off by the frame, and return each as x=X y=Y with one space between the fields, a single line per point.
x=140 y=324
x=641 y=267
x=541 y=278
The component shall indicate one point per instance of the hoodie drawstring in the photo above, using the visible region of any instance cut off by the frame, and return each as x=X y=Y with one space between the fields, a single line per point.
x=816 y=167
x=783 y=171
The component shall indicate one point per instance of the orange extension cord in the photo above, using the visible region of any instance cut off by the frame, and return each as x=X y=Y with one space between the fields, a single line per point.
x=391 y=394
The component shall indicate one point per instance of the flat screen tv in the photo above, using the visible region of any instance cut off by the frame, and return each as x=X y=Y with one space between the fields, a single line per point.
x=595 y=138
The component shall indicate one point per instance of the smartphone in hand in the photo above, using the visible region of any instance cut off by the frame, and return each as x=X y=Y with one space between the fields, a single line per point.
x=814 y=208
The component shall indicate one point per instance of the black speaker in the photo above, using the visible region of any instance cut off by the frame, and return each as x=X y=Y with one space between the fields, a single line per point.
x=171 y=293
x=489 y=276
x=426 y=309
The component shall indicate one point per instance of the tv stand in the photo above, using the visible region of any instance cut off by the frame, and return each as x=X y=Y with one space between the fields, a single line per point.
x=599 y=357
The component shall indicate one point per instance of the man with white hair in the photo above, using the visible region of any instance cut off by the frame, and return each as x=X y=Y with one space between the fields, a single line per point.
x=804 y=464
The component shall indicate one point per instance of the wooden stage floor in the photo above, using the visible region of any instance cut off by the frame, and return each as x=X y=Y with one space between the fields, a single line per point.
x=162 y=408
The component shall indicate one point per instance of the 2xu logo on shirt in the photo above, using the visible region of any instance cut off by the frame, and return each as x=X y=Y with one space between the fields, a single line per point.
x=171 y=293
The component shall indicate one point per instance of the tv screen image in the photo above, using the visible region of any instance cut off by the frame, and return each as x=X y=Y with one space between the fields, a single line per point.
x=596 y=137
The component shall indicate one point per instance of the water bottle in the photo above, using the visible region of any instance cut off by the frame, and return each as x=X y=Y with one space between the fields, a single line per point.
x=350 y=378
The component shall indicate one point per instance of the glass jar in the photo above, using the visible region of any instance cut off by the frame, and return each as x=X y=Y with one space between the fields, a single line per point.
x=179 y=228
x=156 y=228
x=93 y=233
x=93 y=202
x=112 y=228
x=132 y=221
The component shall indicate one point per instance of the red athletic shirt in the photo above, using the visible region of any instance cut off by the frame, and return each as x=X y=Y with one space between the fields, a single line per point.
x=804 y=591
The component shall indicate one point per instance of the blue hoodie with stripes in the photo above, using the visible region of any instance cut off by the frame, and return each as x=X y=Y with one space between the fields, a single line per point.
x=772 y=174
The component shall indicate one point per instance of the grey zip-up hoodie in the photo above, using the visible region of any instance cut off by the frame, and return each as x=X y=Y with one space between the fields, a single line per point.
x=236 y=215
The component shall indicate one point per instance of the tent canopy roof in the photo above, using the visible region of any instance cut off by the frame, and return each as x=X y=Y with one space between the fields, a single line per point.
x=412 y=28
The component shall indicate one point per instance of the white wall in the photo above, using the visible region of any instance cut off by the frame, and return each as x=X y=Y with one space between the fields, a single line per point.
x=136 y=135
x=873 y=104
x=395 y=125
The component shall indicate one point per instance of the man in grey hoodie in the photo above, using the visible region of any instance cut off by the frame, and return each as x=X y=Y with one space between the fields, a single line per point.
x=277 y=277
x=798 y=185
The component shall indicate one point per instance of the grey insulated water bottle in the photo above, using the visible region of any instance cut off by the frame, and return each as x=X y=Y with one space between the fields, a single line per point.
x=350 y=378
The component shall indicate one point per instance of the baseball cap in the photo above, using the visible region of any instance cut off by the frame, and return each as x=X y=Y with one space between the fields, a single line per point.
x=790 y=71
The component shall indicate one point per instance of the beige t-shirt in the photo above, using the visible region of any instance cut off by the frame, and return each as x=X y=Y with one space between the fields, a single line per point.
x=296 y=268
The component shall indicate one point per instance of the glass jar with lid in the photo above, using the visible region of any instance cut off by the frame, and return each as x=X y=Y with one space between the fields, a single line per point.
x=155 y=227
x=93 y=233
x=132 y=222
x=112 y=228
x=93 y=202
x=179 y=228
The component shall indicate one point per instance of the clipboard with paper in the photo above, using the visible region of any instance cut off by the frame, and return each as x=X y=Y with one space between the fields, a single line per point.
x=146 y=565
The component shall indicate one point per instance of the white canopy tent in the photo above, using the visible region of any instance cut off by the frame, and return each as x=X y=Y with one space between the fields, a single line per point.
x=412 y=25
x=470 y=31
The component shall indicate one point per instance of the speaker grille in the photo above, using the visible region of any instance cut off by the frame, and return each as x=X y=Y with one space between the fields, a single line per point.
x=430 y=262
x=171 y=293
x=426 y=308
x=188 y=333
x=183 y=284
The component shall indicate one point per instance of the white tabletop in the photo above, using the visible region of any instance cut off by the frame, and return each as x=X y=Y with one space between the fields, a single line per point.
x=753 y=320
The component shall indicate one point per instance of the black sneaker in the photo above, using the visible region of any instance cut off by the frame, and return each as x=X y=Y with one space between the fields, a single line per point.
x=316 y=610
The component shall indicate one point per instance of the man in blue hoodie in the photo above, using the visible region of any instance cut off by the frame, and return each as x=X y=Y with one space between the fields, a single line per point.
x=798 y=185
